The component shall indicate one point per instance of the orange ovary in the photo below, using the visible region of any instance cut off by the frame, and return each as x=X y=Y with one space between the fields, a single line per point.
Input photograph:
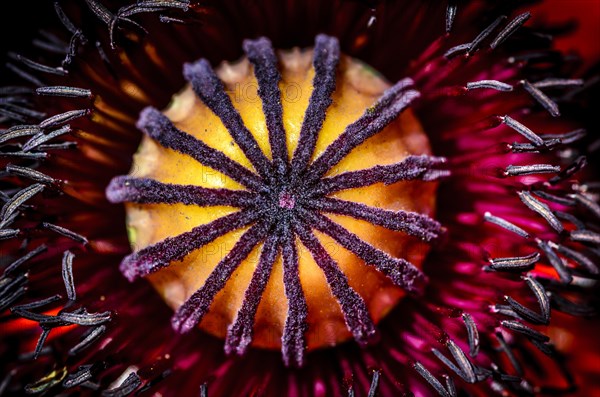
x=358 y=87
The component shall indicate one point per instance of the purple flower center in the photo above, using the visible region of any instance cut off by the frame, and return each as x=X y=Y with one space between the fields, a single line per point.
x=286 y=200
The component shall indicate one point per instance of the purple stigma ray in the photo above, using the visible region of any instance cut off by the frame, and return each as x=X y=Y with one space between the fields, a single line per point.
x=403 y=273
x=159 y=127
x=411 y=168
x=194 y=309
x=373 y=121
x=283 y=201
x=411 y=223
x=293 y=341
x=211 y=91
x=261 y=55
x=148 y=191
x=474 y=45
x=352 y=305
x=239 y=334
x=161 y=254
x=325 y=62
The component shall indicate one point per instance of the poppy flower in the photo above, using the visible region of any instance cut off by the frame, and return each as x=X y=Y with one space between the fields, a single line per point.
x=297 y=199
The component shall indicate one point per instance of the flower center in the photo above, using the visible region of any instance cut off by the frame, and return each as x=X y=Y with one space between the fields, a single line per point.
x=286 y=200
x=282 y=201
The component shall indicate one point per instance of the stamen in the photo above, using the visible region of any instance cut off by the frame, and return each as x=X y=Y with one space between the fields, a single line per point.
x=541 y=98
x=11 y=290
x=210 y=89
x=556 y=262
x=51 y=46
x=24 y=75
x=160 y=128
x=509 y=353
x=37 y=304
x=17 y=111
x=239 y=334
x=450 y=385
x=148 y=191
x=510 y=29
x=525 y=330
x=105 y=60
x=153 y=6
x=63 y=91
x=566 y=138
x=10 y=115
x=58 y=71
x=462 y=360
x=540 y=294
x=353 y=306
x=43 y=319
x=474 y=45
x=374 y=120
x=577 y=256
x=204 y=390
x=19 y=199
x=554 y=198
x=570 y=218
x=82 y=375
x=6 y=234
x=88 y=340
x=535 y=205
x=493 y=84
x=571 y=170
x=85 y=318
x=167 y=19
x=412 y=223
x=521 y=129
x=587 y=203
x=450 y=14
x=553 y=82
x=19 y=131
x=293 y=340
x=100 y=11
x=517 y=263
x=129 y=385
x=505 y=224
x=65 y=232
x=403 y=273
x=63 y=118
x=43 y=138
x=448 y=363
x=161 y=254
x=472 y=334
x=40 y=343
x=30 y=174
x=67 y=275
x=520 y=170
x=436 y=384
x=261 y=54
x=457 y=50
x=57 y=146
x=28 y=256
x=544 y=347
x=374 y=384
x=25 y=155
x=194 y=309
x=566 y=306
x=15 y=90
x=65 y=20
x=517 y=147
x=585 y=236
x=326 y=59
